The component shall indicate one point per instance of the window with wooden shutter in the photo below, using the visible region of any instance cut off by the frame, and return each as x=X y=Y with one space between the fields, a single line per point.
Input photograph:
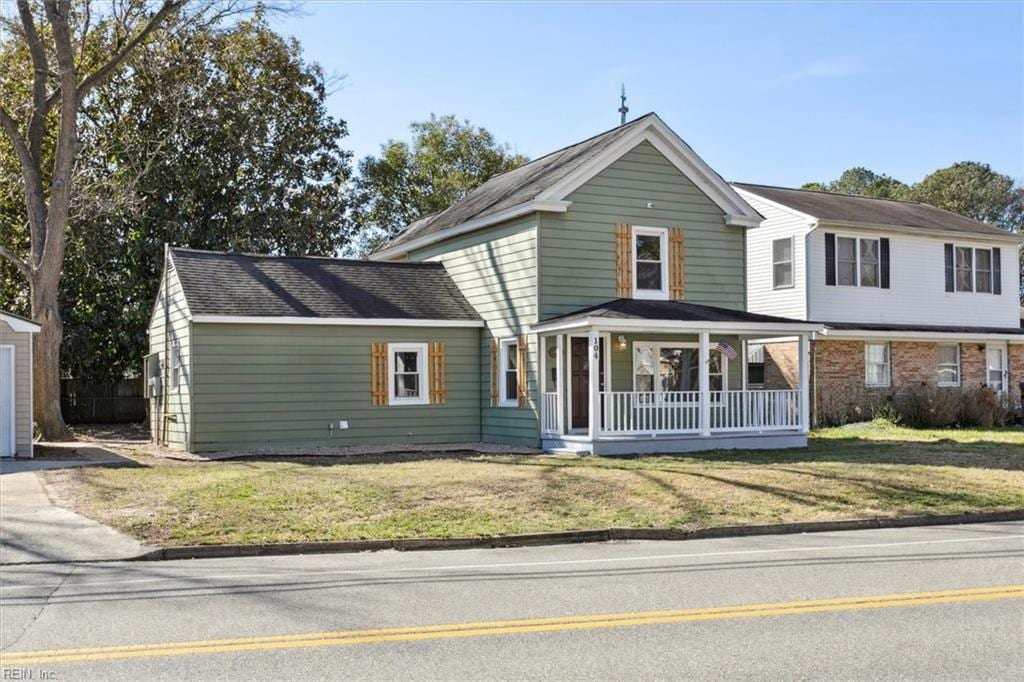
x=494 y=372
x=623 y=261
x=438 y=388
x=378 y=373
x=676 y=264
x=521 y=368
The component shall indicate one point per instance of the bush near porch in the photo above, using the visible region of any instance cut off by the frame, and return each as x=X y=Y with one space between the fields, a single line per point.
x=861 y=470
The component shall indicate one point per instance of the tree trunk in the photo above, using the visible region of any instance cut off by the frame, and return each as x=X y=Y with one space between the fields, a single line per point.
x=46 y=358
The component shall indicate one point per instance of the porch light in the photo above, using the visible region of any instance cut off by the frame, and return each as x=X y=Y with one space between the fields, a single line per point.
x=622 y=342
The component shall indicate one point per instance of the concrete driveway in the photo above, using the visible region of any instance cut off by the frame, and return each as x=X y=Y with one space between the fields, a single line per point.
x=34 y=530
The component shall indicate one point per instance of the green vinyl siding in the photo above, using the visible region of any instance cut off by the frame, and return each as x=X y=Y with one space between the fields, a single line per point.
x=577 y=248
x=496 y=270
x=266 y=386
x=171 y=413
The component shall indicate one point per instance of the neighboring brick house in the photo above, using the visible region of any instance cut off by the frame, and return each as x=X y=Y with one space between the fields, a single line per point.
x=909 y=295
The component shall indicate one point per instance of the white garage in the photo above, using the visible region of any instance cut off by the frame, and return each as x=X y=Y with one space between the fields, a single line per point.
x=16 y=385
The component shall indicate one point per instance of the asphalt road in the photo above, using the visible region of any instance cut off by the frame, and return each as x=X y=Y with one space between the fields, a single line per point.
x=927 y=603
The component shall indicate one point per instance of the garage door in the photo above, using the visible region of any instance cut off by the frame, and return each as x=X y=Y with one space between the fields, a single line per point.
x=6 y=401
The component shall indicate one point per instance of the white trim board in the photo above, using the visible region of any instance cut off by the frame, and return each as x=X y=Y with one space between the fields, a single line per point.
x=334 y=321
x=19 y=325
x=879 y=335
x=627 y=324
x=14 y=398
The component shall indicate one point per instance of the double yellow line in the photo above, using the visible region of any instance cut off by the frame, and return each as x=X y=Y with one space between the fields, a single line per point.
x=505 y=627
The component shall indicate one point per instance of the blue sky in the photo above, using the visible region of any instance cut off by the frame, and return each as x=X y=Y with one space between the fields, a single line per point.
x=778 y=93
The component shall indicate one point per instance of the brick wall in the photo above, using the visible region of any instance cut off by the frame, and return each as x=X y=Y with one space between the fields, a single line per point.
x=972 y=365
x=914 y=363
x=1016 y=353
x=781 y=365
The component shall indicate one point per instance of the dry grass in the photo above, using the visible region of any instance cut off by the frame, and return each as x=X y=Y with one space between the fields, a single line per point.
x=857 y=471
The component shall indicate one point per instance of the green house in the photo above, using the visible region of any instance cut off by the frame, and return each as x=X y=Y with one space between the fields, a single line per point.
x=593 y=300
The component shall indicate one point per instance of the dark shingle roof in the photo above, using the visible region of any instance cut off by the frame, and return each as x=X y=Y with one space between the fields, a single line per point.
x=517 y=186
x=218 y=283
x=869 y=210
x=883 y=327
x=634 y=309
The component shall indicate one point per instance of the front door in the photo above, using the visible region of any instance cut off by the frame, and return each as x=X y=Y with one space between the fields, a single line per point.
x=995 y=366
x=579 y=376
x=7 y=425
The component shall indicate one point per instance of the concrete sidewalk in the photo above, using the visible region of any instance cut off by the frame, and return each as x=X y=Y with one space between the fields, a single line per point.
x=33 y=529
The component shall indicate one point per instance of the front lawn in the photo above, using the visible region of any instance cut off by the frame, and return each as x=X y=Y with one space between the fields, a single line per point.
x=851 y=472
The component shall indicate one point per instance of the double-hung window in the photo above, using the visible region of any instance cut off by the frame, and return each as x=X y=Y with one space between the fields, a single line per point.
x=509 y=376
x=949 y=364
x=964 y=268
x=673 y=369
x=876 y=364
x=407 y=369
x=755 y=365
x=973 y=269
x=782 y=263
x=983 y=271
x=650 y=262
x=857 y=262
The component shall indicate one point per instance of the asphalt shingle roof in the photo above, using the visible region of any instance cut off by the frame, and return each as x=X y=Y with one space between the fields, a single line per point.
x=517 y=186
x=869 y=210
x=886 y=327
x=637 y=309
x=218 y=283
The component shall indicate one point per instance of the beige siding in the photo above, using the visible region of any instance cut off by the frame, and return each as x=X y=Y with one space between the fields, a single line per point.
x=170 y=414
x=22 y=342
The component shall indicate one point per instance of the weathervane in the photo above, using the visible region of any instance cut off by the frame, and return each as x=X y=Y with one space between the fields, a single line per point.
x=623 y=110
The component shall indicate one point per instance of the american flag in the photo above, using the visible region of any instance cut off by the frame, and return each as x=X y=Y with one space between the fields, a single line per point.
x=726 y=350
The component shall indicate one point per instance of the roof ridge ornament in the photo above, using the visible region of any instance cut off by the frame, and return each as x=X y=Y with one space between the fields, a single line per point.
x=623 y=109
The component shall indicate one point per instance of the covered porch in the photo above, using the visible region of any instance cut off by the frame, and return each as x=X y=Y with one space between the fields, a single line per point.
x=631 y=376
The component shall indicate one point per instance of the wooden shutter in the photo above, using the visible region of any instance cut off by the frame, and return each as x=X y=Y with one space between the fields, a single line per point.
x=883 y=258
x=676 y=264
x=997 y=271
x=437 y=370
x=623 y=261
x=378 y=373
x=521 y=372
x=494 y=372
x=830 y=259
x=950 y=271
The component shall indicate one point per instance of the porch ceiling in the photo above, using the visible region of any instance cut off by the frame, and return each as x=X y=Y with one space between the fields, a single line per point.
x=627 y=314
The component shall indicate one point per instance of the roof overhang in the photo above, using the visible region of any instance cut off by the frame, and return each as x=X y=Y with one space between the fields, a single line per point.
x=735 y=209
x=920 y=231
x=20 y=324
x=655 y=326
x=333 y=321
x=907 y=335
x=526 y=208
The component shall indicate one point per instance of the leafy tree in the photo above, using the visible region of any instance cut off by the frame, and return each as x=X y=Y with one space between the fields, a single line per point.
x=211 y=137
x=446 y=159
x=863 y=182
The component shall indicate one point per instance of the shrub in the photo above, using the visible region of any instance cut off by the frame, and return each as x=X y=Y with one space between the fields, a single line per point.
x=983 y=407
x=928 y=407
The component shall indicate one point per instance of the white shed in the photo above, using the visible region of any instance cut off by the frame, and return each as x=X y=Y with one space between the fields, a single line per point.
x=16 y=385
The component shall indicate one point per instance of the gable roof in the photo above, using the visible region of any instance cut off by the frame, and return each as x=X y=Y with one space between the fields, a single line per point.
x=870 y=211
x=543 y=184
x=246 y=285
x=18 y=323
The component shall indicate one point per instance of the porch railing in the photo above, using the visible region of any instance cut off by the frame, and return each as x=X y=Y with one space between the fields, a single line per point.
x=549 y=413
x=678 y=412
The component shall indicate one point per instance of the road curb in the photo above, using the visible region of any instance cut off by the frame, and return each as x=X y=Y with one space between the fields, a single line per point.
x=563 y=538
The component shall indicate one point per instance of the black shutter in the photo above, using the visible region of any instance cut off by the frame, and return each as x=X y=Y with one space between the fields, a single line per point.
x=830 y=259
x=997 y=272
x=883 y=256
x=949 y=267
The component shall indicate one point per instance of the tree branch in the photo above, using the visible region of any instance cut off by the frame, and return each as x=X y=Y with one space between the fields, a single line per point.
x=41 y=72
x=102 y=72
x=18 y=263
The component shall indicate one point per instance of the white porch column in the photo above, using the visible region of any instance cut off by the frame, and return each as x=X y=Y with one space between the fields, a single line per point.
x=594 y=378
x=560 y=382
x=803 y=351
x=542 y=381
x=703 y=358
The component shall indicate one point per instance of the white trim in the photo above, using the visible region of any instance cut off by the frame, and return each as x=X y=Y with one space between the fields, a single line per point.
x=811 y=220
x=658 y=345
x=19 y=325
x=421 y=370
x=334 y=321
x=918 y=335
x=627 y=324
x=662 y=234
x=919 y=231
x=939 y=365
x=14 y=398
x=568 y=372
x=517 y=211
x=857 y=261
x=503 y=346
x=974 y=269
x=791 y=261
x=1004 y=368
x=888 y=364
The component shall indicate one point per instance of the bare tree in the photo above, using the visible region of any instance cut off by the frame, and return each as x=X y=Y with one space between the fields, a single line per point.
x=55 y=34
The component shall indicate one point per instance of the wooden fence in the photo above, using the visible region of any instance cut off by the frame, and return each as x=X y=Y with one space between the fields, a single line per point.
x=85 y=402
